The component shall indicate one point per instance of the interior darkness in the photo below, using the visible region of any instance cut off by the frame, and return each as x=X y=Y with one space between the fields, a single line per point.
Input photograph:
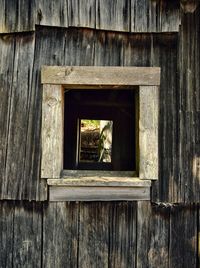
x=106 y=104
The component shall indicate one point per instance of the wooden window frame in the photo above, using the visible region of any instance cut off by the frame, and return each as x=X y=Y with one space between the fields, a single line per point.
x=89 y=186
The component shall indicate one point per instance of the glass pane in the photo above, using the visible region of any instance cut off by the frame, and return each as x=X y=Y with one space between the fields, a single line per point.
x=95 y=140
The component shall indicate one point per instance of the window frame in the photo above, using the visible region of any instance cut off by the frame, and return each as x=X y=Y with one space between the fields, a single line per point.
x=99 y=187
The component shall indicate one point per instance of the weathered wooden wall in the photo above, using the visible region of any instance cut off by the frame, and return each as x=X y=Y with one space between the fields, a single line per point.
x=112 y=15
x=103 y=234
x=22 y=57
x=98 y=234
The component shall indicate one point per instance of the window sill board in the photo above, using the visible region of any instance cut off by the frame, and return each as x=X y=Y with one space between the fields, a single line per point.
x=98 y=189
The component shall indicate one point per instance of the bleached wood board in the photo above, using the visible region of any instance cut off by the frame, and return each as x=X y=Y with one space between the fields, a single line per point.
x=76 y=76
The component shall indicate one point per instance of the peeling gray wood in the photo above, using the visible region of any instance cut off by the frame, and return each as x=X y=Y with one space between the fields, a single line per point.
x=100 y=193
x=105 y=76
x=52 y=131
x=148 y=132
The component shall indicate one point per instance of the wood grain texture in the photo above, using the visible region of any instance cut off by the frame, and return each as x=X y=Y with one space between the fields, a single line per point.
x=183 y=237
x=98 y=234
x=21 y=236
x=152 y=235
x=154 y=16
x=101 y=173
x=60 y=234
x=16 y=61
x=123 y=234
x=189 y=104
x=99 y=181
x=98 y=193
x=52 y=131
x=105 y=49
x=106 y=76
x=113 y=15
x=93 y=235
x=148 y=132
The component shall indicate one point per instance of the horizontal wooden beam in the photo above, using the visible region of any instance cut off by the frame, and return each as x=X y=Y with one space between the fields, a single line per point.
x=100 y=173
x=99 y=181
x=116 y=77
x=75 y=193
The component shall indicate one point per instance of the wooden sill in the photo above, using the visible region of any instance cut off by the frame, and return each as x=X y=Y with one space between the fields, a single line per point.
x=98 y=188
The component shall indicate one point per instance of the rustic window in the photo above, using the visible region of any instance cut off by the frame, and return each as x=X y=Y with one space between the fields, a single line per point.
x=124 y=97
x=110 y=105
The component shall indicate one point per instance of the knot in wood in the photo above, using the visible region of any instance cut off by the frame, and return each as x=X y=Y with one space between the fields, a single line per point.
x=68 y=71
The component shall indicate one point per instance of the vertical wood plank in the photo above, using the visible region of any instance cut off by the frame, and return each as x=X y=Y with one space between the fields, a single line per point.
x=113 y=15
x=152 y=236
x=154 y=16
x=93 y=235
x=183 y=237
x=52 y=131
x=27 y=235
x=148 y=132
x=6 y=233
x=60 y=234
x=122 y=234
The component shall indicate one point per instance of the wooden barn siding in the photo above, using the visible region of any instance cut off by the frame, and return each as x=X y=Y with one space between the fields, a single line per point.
x=190 y=105
x=22 y=58
x=114 y=15
x=103 y=234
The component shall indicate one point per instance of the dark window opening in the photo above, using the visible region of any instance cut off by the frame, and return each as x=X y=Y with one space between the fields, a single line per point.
x=116 y=109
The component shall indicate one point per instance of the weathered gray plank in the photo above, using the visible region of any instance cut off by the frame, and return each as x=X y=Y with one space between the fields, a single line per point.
x=154 y=16
x=152 y=236
x=99 y=181
x=16 y=55
x=82 y=13
x=27 y=235
x=100 y=173
x=93 y=235
x=20 y=234
x=148 y=132
x=122 y=234
x=108 y=76
x=6 y=233
x=17 y=16
x=98 y=193
x=6 y=72
x=52 y=131
x=183 y=237
x=189 y=105
x=124 y=15
x=60 y=235
x=51 y=13
x=113 y=15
